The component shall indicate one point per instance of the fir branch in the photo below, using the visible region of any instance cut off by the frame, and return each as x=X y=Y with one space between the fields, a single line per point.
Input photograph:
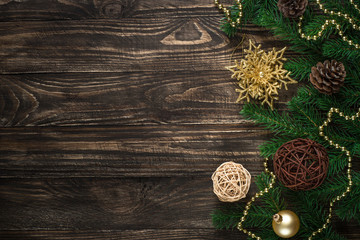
x=272 y=120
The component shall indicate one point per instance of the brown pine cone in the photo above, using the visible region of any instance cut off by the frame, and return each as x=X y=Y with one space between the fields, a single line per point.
x=292 y=8
x=328 y=77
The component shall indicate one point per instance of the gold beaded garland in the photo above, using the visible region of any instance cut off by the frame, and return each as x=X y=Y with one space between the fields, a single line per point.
x=257 y=195
x=273 y=177
x=347 y=152
x=228 y=12
x=332 y=22
x=327 y=23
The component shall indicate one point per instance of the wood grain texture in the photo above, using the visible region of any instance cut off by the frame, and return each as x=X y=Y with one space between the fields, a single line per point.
x=162 y=208
x=129 y=45
x=145 y=234
x=141 y=98
x=22 y=10
x=113 y=116
x=193 y=150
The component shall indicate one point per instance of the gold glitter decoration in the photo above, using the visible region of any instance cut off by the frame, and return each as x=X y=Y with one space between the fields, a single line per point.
x=261 y=74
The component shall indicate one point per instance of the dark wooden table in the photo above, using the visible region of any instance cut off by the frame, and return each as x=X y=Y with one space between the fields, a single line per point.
x=114 y=114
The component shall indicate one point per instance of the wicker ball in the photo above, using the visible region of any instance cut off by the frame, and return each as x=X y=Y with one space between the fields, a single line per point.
x=301 y=164
x=231 y=182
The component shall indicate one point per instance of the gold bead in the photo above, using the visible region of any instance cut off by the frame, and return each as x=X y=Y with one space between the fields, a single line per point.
x=245 y=231
x=326 y=138
x=253 y=235
x=233 y=24
x=220 y=6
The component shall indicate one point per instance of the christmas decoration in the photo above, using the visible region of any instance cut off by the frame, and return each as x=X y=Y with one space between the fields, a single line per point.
x=292 y=8
x=286 y=224
x=260 y=74
x=349 y=160
x=228 y=13
x=231 y=182
x=257 y=195
x=328 y=77
x=332 y=34
x=333 y=22
x=301 y=164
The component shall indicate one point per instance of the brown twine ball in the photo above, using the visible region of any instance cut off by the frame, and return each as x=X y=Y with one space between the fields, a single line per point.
x=231 y=182
x=301 y=164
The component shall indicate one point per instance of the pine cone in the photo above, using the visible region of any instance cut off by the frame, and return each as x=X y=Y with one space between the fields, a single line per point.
x=328 y=77
x=292 y=8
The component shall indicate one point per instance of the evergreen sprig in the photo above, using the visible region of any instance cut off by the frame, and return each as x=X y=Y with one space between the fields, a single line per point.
x=307 y=110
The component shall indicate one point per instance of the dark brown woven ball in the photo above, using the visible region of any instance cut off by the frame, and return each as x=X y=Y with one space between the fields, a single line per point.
x=301 y=164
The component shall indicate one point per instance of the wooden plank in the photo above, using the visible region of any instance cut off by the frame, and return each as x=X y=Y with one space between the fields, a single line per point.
x=114 y=9
x=130 y=45
x=173 y=208
x=166 y=150
x=106 y=204
x=145 y=234
x=141 y=98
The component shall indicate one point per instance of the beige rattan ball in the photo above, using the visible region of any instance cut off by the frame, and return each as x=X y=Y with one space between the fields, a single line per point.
x=231 y=182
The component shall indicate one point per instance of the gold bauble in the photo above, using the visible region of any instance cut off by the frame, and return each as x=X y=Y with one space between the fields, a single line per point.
x=286 y=223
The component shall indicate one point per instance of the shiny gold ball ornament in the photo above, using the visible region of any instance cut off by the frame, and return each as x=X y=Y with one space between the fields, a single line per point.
x=286 y=224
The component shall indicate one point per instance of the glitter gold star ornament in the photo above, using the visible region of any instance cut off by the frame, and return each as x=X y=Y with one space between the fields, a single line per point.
x=261 y=74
